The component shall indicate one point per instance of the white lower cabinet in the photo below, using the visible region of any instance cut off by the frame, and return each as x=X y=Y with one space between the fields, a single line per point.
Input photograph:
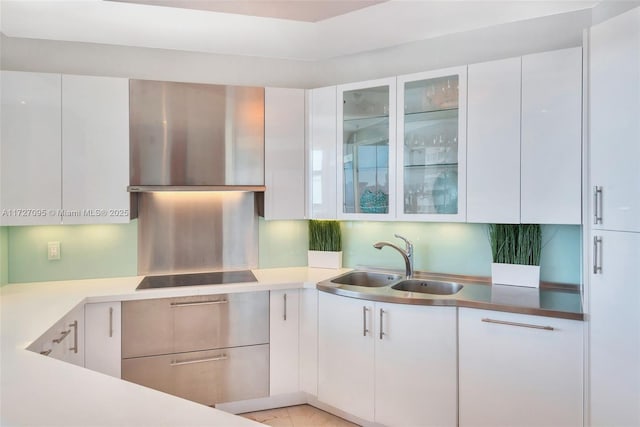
x=103 y=337
x=64 y=340
x=394 y=364
x=309 y=341
x=514 y=370
x=283 y=342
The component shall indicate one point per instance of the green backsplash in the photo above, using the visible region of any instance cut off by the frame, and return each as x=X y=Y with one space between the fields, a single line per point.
x=89 y=251
x=4 y=255
x=86 y=251
x=456 y=248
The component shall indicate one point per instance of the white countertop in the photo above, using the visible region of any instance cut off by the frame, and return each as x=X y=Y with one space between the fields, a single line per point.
x=40 y=391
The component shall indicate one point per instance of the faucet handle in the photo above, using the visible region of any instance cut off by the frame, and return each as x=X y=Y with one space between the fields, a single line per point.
x=408 y=244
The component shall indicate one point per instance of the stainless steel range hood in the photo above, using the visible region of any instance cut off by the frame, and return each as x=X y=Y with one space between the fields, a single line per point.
x=196 y=137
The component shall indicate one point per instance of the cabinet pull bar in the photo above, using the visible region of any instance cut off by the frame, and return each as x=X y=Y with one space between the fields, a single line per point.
x=74 y=325
x=46 y=352
x=62 y=336
x=597 y=205
x=189 y=362
x=184 y=304
x=364 y=321
x=381 y=332
x=285 y=308
x=523 y=325
x=110 y=322
x=597 y=254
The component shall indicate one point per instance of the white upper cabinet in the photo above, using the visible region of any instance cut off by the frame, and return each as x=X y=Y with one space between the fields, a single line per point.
x=551 y=176
x=284 y=146
x=321 y=158
x=493 y=163
x=614 y=98
x=30 y=192
x=95 y=149
x=65 y=149
x=431 y=139
x=366 y=147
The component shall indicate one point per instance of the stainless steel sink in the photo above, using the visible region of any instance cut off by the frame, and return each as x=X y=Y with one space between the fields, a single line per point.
x=428 y=287
x=367 y=279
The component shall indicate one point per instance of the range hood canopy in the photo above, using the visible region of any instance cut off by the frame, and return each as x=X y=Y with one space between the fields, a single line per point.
x=195 y=137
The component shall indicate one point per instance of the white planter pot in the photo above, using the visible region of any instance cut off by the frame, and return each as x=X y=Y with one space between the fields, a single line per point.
x=325 y=259
x=515 y=275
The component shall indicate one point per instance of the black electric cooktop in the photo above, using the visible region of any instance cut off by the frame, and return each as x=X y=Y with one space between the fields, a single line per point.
x=196 y=279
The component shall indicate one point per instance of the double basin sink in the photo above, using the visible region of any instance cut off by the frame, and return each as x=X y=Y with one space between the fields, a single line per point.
x=369 y=279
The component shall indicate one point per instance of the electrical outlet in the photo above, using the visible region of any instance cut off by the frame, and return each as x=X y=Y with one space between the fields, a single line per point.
x=53 y=251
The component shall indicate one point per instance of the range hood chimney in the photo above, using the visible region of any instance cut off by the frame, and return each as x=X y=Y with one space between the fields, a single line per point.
x=195 y=137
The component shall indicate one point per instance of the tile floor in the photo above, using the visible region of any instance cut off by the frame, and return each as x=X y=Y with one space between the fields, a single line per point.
x=298 y=416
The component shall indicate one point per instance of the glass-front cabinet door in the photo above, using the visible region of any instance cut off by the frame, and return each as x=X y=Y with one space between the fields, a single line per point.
x=431 y=135
x=366 y=150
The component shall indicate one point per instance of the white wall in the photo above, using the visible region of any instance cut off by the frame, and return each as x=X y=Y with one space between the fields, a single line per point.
x=536 y=35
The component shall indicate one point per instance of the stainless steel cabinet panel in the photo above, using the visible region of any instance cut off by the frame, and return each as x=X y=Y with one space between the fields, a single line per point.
x=174 y=325
x=217 y=321
x=207 y=377
x=147 y=327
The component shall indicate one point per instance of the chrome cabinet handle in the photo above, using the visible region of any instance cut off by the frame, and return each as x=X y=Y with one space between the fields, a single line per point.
x=185 y=304
x=46 y=352
x=522 y=325
x=597 y=204
x=597 y=255
x=364 y=321
x=62 y=336
x=285 y=308
x=190 y=362
x=74 y=325
x=381 y=332
x=110 y=322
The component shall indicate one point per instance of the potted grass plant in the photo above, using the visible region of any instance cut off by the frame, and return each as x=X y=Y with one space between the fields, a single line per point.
x=516 y=252
x=325 y=244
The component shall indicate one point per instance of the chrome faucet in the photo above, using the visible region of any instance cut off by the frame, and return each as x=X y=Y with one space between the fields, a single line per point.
x=406 y=253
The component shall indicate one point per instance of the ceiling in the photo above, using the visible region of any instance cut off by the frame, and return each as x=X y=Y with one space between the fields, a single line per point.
x=298 y=10
x=319 y=30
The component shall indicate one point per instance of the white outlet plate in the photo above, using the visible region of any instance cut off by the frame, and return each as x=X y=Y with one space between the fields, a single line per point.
x=53 y=251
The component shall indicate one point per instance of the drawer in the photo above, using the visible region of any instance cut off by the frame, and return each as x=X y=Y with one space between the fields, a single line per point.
x=206 y=377
x=174 y=325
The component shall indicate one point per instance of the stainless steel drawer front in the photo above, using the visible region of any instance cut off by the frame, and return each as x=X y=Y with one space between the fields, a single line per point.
x=176 y=325
x=207 y=377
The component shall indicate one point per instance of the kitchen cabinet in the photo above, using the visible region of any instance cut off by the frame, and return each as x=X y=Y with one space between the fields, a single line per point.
x=517 y=369
x=206 y=348
x=284 y=146
x=284 y=342
x=431 y=152
x=95 y=149
x=613 y=248
x=614 y=143
x=65 y=149
x=525 y=139
x=493 y=163
x=614 y=320
x=345 y=354
x=551 y=175
x=415 y=367
x=206 y=377
x=366 y=351
x=321 y=144
x=309 y=341
x=103 y=337
x=30 y=148
x=366 y=147
x=65 y=339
